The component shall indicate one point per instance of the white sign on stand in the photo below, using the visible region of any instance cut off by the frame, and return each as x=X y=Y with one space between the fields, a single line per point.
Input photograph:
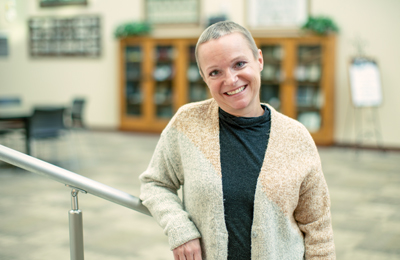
x=365 y=82
x=366 y=94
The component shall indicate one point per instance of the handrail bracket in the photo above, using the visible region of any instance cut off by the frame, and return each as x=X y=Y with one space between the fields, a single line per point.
x=76 y=226
x=76 y=188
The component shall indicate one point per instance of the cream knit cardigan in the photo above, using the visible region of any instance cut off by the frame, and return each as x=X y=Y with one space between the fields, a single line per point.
x=291 y=208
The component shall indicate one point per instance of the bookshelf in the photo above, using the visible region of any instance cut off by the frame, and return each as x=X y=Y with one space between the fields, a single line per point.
x=298 y=80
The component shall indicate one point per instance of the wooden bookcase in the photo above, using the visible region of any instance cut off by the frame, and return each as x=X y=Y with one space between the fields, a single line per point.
x=157 y=76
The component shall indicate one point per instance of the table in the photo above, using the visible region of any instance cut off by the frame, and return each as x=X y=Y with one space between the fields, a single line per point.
x=20 y=114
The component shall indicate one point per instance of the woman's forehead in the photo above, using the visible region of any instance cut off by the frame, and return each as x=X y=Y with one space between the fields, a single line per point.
x=225 y=45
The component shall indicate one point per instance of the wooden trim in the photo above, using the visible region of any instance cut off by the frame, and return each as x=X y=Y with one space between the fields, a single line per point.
x=181 y=87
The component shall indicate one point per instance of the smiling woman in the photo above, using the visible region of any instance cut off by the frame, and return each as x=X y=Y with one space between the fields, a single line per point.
x=232 y=74
x=252 y=181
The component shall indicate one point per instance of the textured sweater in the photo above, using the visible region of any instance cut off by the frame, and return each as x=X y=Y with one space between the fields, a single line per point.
x=291 y=206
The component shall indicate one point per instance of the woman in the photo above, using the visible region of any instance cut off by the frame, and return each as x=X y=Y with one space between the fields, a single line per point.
x=253 y=186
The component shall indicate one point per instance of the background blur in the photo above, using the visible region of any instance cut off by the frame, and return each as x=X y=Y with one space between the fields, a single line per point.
x=364 y=185
x=58 y=80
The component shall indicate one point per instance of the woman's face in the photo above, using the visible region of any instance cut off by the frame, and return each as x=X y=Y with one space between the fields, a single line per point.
x=232 y=74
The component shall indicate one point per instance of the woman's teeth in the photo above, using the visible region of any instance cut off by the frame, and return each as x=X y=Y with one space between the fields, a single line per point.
x=235 y=91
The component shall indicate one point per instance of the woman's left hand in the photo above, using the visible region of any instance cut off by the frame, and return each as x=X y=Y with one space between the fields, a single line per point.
x=188 y=251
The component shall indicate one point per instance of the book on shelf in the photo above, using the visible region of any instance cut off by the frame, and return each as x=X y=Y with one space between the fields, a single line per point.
x=311 y=120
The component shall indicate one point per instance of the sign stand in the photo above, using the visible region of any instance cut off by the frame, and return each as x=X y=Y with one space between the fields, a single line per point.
x=366 y=95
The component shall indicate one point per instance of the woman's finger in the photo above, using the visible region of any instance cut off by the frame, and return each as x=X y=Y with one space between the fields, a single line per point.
x=188 y=251
x=197 y=255
x=189 y=256
x=178 y=255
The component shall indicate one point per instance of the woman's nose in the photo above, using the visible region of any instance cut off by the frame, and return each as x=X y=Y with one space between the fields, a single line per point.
x=230 y=78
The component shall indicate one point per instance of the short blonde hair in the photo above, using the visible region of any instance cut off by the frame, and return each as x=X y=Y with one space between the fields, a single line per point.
x=223 y=28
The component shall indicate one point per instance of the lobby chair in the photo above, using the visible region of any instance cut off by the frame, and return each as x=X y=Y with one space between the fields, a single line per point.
x=47 y=125
x=77 y=111
x=47 y=122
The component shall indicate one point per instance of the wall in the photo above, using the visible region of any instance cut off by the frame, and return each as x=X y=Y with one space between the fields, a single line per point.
x=377 y=23
x=58 y=80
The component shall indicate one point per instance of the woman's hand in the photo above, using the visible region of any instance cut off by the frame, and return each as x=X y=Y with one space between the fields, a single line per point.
x=188 y=251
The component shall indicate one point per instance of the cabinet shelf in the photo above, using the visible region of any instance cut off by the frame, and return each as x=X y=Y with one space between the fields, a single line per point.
x=165 y=104
x=166 y=61
x=307 y=109
x=271 y=82
x=309 y=83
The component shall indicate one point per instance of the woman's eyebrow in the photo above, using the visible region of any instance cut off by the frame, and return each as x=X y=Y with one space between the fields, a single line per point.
x=210 y=68
x=240 y=57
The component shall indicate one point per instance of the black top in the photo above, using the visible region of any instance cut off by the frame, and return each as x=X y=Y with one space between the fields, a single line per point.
x=243 y=142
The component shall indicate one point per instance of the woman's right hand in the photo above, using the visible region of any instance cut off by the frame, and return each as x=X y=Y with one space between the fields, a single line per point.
x=188 y=251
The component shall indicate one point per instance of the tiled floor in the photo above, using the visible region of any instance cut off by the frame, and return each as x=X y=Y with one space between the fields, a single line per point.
x=364 y=188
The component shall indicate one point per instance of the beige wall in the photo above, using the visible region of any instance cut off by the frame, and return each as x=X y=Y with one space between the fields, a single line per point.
x=377 y=23
x=59 y=79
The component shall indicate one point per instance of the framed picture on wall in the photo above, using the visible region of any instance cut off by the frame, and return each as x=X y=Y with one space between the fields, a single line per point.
x=50 y=3
x=76 y=36
x=276 y=14
x=174 y=12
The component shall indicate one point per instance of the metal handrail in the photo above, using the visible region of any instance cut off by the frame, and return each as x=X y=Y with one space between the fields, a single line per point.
x=77 y=183
x=72 y=179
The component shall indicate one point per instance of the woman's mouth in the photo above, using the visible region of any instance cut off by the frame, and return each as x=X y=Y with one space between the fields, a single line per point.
x=236 y=91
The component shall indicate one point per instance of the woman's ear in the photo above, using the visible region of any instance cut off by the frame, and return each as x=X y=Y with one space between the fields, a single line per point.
x=260 y=60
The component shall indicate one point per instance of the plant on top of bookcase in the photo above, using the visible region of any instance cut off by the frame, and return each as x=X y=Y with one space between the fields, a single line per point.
x=320 y=25
x=132 y=29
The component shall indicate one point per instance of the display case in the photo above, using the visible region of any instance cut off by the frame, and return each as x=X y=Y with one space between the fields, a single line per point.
x=152 y=82
x=160 y=75
x=272 y=74
x=163 y=75
x=309 y=97
x=133 y=81
x=297 y=80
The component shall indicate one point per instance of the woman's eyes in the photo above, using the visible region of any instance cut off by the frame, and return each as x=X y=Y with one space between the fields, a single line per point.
x=213 y=73
x=239 y=65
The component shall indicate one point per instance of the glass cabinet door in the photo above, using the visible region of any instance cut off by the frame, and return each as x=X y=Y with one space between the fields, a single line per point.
x=309 y=96
x=133 y=84
x=198 y=89
x=272 y=75
x=163 y=76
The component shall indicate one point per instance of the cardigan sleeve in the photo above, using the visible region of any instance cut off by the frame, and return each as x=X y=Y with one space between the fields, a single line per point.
x=313 y=213
x=159 y=185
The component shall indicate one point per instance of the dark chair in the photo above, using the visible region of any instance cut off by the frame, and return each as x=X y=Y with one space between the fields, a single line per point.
x=47 y=124
x=78 y=105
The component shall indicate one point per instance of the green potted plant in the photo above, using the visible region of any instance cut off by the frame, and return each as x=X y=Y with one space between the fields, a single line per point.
x=132 y=29
x=320 y=25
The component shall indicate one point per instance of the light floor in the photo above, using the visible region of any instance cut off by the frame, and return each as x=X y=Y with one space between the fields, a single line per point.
x=364 y=189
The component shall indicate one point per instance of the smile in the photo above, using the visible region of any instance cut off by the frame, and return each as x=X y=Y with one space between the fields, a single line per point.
x=236 y=91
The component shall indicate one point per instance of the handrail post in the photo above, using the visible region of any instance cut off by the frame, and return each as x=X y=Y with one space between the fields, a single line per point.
x=76 y=227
